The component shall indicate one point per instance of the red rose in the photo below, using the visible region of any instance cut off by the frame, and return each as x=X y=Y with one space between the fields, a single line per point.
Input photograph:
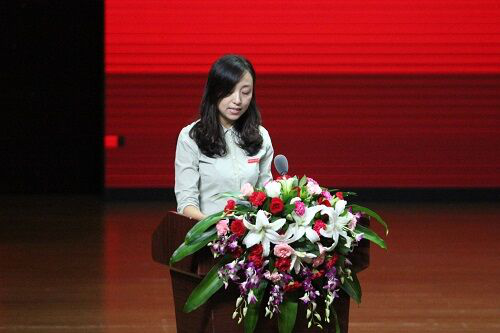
x=231 y=204
x=257 y=250
x=282 y=264
x=318 y=225
x=331 y=262
x=238 y=228
x=257 y=260
x=323 y=201
x=339 y=195
x=257 y=198
x=292 y=286
x=276 y=206
x=255 y=255
x=237 y=252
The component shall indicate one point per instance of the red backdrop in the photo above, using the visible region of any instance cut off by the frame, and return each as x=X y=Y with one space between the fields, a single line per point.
x=354 y=93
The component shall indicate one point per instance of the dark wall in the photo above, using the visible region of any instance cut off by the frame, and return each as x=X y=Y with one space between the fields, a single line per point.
x=54 y=110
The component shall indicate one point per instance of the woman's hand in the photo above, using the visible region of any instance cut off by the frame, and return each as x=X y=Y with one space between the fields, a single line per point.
x=193 y=212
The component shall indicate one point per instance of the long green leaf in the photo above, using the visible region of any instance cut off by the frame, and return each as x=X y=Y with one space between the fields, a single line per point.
x=358 y=208
x=207 y=287
x=200 y=227
x=337 y=326
x=352 y=287
x=287 y=316
x=227 y=195
x=371 y=236
x=185 y=249
x=252 y=316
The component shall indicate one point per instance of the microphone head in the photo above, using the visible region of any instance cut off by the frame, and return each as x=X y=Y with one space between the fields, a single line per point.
x=281 y=164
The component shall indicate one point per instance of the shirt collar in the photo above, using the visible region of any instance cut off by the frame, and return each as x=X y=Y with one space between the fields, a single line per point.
x=227 y=130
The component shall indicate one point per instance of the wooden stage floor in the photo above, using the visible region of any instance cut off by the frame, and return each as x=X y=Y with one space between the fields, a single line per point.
x=78 y=264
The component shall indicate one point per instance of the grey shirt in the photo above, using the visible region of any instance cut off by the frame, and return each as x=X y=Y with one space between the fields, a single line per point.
x=199 y=178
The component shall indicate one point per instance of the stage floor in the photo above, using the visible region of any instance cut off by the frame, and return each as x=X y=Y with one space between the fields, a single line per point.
x=79 y=264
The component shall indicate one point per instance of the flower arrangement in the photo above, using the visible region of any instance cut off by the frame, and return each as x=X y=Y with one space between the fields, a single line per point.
x=284 y=244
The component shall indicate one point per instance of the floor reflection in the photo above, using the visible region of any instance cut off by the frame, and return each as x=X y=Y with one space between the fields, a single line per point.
x=137 y=293
x=73 y=264
x=51 y=264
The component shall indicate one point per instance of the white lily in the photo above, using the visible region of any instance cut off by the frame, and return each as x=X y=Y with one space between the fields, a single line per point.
x=303 y=225
x=287 y=184
x=263 y=232
x=298 y=257
x=337 y=225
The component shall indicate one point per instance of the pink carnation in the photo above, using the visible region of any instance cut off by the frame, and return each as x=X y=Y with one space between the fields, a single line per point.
x=300 y=208
x=246 y=189
x=283 y=250
x=327 y=195
x=222 y=227
x=313 y=186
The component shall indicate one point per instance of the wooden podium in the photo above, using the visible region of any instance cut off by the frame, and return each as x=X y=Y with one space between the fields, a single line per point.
x=215 y=315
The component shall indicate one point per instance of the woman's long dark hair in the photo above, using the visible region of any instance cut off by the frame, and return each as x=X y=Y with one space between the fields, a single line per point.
x=225 y=73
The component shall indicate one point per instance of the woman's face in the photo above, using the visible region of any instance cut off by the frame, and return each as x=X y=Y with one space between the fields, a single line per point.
x=234 y=105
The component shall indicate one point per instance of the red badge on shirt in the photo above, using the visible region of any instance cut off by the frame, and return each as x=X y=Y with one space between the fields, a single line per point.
x=254 y=160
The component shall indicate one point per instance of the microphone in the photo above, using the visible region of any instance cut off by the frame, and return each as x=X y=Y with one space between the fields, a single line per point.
x=281 y=164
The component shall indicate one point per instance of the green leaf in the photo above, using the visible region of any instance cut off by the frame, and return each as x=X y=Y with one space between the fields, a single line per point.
x=289 y=209
x=287 y=197
x=303 y=181
x=244 y=209
x=352 y=288
x=227 y=195
x=206 y=288
x=337 y=326
x=367 y=211
x=185 y=249
x=252 y=316
x=371 y=236
x=340 y=248
x=266 y=204
x=200 y=227
x=287 y=316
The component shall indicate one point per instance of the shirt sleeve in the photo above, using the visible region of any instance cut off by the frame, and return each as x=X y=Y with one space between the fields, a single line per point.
x=187 y=176
x=266 y=160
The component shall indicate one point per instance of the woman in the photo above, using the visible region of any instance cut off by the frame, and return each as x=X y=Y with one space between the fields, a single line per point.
x=226 y=147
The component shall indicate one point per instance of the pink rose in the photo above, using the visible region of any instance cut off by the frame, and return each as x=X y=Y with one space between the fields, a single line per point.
x=222 y=227
x=246 y=189
x=283 y=250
